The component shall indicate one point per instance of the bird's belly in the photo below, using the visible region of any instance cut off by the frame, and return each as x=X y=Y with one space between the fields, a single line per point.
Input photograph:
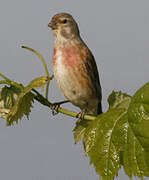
x=68 y=83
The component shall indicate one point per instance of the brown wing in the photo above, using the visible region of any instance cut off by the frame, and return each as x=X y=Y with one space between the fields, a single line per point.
x=91 y=68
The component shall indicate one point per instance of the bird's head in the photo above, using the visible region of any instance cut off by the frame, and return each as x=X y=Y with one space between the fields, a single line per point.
x=64 y=26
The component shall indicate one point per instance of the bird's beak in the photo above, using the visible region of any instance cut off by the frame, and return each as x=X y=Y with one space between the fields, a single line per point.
x=52 y=25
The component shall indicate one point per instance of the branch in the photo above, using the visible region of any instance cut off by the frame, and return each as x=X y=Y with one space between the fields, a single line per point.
x=47 y=103
x=44 y=64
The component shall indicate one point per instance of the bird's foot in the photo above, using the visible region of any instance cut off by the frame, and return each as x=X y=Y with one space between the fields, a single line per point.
x=81 y=115
x=55 y=106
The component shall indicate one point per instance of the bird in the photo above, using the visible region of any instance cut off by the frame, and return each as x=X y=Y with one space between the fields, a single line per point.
x=74 y=66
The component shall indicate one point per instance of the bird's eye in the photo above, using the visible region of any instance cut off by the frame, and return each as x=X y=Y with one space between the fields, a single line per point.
x=64 y=21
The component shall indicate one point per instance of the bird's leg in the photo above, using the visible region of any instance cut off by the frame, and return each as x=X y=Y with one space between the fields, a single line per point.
x=55 y=106
x=81 y=115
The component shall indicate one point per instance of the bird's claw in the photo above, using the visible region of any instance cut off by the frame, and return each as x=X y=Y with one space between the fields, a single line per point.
x=54 y=108
x=81 y=115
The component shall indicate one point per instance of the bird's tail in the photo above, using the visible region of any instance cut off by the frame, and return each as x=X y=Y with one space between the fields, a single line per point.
x=99 y=109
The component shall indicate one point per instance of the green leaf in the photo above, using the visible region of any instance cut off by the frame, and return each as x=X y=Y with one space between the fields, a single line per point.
x=119 y=100
x=136 y=154
x=119 y=136
x=135 y=158
x=116 y=100
x=139 y=115
x=103 y=143
x=79 y=130
x=22 y=107
x=36 y=83
x=8 y=97
x=24 y=101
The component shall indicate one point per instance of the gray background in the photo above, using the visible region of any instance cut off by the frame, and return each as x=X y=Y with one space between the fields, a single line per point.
x=117 y=32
